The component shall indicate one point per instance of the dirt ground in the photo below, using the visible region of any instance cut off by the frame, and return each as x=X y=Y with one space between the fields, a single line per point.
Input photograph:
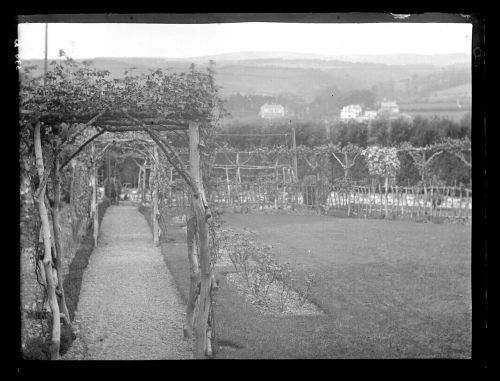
x=129 y=308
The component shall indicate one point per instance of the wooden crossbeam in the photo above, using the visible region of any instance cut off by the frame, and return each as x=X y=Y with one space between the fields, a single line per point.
x=233 y=166
x=115 y=119
x=117 y=126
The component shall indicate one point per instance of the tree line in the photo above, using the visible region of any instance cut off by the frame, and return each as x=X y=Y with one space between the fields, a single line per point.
x=419 y=132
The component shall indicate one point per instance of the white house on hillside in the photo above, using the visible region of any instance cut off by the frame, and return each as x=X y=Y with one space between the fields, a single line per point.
x=367 y=116
x=270 y=111
x=350 y=112
x=388 y=108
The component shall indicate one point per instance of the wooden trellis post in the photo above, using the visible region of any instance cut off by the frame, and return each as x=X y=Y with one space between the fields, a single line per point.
x=228 y=198
x=154 y=196
x=276 y=179
x=284 y=187
x=238 y=178
x=460 y=206
x=95 y=214
x=467 y=214
x=171 y=178
x=143 y=183
x=75 y=217
x=370 y=199
x=294 y=146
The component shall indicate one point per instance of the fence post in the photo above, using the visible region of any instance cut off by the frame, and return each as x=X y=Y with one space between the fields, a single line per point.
x=370 y=200
x=412 y=208
x=228 y=200
x=460 y=206
x=452 y=205
x=365 y=192
x=403 y=195
x=417 y=196
x=467 y=205
x=432 y=200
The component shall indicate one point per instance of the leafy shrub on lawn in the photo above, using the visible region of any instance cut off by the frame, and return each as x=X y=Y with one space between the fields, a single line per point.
x=261 y=270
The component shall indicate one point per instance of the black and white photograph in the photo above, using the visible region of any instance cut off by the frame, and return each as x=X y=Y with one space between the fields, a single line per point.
x=247 y=187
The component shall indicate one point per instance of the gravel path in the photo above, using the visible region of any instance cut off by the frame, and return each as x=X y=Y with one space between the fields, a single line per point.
x=129 y=308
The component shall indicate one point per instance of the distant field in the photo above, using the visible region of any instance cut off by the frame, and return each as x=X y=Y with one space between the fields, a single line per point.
x=457 y=91
x=456 y=115
x=448 y=110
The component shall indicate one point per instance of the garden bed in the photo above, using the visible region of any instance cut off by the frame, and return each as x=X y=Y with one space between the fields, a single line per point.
x=35 y=333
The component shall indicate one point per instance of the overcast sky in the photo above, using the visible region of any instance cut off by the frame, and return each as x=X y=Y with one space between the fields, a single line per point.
x=190 y=40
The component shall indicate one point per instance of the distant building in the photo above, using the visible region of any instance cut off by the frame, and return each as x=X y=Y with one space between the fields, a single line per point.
x=367 y=116
x=388 y=108
x=370 y=114
x=350 y=112
x=270 y=111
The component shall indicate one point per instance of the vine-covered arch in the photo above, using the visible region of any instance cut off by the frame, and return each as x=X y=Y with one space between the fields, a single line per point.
x=71 y=111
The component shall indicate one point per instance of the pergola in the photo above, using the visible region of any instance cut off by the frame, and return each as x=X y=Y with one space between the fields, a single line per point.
x=144 y=134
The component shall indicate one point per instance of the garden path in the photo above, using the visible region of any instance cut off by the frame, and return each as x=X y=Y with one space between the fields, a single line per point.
x=129 y=307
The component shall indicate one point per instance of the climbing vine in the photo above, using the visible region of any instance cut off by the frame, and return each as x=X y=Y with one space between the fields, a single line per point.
x=58 y=111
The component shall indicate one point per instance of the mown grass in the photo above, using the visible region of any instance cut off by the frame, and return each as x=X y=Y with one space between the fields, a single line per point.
x=390 y=289
x=38 y=348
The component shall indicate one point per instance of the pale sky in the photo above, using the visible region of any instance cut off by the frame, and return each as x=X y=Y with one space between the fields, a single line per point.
x=189 y=40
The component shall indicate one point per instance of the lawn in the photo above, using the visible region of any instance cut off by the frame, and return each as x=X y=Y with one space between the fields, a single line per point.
x=390 y=289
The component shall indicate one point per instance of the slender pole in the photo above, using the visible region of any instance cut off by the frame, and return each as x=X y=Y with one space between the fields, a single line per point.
x=46 y=53
x=294 y=146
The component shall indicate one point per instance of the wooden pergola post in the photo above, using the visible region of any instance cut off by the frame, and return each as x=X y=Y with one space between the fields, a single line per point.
x=143 y=183
x=200 y=207
x=56 y=222
x=94 y=209
x=154 y=196
x=47 y=258
x=171 y=179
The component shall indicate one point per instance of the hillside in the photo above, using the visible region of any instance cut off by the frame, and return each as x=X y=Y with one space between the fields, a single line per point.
x=304 y=83
x=304 y=78
x=387 y=59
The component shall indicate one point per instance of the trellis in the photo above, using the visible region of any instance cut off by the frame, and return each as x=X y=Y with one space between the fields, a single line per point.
x=342 y=192
x=198 y=222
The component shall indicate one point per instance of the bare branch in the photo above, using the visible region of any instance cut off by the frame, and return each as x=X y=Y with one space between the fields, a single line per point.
x=433 y=156
x=136 y=163
x=309 y=163
x=82 y=127
x=340 y=162
x=462 y=157
x=81 y=148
